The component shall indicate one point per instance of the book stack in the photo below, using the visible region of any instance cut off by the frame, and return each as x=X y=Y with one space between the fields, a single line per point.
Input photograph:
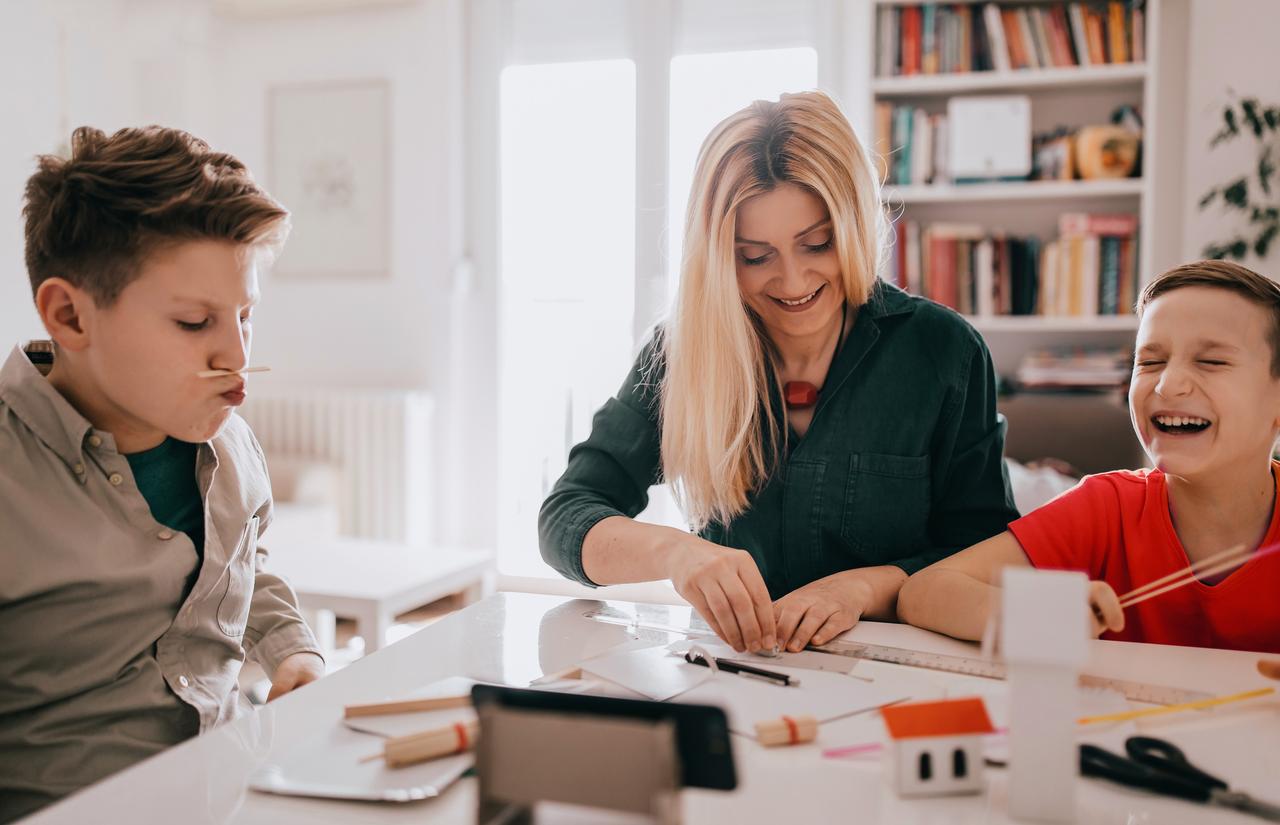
x=1075 y=369
x=913 y=144
x=1090 y=270
x=935 y=38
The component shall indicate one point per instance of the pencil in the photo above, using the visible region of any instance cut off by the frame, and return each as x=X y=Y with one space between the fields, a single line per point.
x=1125 y=716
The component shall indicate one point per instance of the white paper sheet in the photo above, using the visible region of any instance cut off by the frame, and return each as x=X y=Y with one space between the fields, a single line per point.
x=652 y=672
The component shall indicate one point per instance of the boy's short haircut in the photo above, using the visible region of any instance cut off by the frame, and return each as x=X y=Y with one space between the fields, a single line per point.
x=1246 y=283
x=94 y=217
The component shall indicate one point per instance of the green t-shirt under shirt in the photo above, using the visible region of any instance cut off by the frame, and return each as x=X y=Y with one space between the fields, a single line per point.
x=166 y=477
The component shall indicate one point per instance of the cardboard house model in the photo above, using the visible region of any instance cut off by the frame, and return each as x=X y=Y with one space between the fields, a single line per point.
x=937 y=746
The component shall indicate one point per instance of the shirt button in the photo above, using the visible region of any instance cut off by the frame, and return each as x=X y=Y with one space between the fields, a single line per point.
x=79 y=468
x=95 y=441
x=115 y=479
x=164 y=535
x=184 y=681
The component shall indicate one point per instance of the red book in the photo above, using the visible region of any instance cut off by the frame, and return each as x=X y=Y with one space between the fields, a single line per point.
x=942 y=277
x=911 y=40
x=900 y=273
x=1013 y=36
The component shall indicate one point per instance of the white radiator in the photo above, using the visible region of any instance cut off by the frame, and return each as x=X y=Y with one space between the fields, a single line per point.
x=379 y=439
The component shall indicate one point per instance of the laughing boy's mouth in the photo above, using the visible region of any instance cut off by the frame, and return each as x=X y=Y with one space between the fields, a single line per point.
x=1180 y=424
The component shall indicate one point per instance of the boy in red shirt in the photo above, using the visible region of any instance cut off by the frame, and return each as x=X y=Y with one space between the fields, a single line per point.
x=1205 y=402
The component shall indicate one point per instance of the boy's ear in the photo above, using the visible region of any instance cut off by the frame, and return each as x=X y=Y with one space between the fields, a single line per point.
x=63 y=308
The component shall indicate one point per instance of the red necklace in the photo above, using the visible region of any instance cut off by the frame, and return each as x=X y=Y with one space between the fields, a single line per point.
x=801 y=395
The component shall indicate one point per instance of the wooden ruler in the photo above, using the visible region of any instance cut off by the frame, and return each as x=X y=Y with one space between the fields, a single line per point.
x=966 y=665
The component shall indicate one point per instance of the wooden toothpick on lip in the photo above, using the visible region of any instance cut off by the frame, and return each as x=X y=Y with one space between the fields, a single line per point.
x=217 y=373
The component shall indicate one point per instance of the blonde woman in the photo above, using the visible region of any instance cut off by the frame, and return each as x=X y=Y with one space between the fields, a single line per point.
x=825 y=433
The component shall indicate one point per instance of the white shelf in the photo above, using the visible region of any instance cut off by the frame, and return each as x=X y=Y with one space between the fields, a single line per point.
x=1015 y=191
x=1040 y=323
x=1121 y=74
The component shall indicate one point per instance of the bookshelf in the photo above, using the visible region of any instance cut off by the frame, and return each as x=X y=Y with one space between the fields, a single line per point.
x=1060 y=96
x=1070 y=96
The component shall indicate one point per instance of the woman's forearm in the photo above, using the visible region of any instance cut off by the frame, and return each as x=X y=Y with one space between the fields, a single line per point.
x=948 y=601
x=618 y=550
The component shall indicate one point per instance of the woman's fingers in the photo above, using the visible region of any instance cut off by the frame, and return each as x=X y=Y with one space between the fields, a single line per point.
x=789 y=615
x=836 y=623
x=744 y=611
x=761 y=604
x=815 y=617
x=700 y=605
x=721 y=609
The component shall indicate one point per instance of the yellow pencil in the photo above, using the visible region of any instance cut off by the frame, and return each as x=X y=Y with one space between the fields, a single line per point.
x=1203 y=703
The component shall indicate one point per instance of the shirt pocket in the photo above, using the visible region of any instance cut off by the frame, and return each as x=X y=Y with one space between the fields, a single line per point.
x=233 y=610
x=887 y=502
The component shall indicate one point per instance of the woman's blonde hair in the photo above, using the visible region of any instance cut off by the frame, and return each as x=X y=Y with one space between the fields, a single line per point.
x=719 y=435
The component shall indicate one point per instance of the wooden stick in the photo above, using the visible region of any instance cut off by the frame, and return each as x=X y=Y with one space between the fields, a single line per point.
x=789 y=730
x=217 y=373
x=1124 y=716
x=407 y=706
x=400 y=751
x=1194 y=577
x=1177 y=574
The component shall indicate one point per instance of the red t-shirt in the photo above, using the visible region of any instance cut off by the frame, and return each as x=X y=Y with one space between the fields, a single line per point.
x=1116 y=528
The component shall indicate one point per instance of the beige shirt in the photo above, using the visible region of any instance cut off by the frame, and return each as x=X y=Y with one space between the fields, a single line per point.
x=105 y=659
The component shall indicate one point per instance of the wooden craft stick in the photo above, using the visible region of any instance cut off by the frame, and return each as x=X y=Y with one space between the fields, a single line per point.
x=789 y=730
x=1230 y=552
x=1125 y=716
x=216 y=373
x=401 y=751
x=407 y=706
x=1193 y=577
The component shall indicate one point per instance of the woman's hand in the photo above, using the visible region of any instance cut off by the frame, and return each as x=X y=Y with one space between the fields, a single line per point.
x=724 y=585
x=1107 y=612
x=822 y=609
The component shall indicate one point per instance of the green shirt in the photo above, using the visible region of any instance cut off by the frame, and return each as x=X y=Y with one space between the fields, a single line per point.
x=166 y=478
x=902 y=463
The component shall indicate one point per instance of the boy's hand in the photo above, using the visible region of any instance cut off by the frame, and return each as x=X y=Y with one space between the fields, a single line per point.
x=821 y=610
x=1107 y=612
x=1269 y=668
x=294 y=672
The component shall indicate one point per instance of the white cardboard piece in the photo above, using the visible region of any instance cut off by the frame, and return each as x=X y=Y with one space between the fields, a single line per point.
x=989 y=136
x=1045 y=640
x=652 y=672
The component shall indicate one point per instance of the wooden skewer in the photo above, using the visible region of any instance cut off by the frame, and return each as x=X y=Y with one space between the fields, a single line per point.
x=217 y=373
x=789 y=730
x=1124 y=716
x=401 y=751
x=407 y=706
x=1129 y=600
x=1177 y=574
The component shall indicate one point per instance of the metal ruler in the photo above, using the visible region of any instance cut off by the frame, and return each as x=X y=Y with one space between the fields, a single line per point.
x=967 y=665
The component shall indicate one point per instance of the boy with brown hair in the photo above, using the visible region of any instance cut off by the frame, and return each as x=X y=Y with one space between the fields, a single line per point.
x=1205 y=402
x=131 y=496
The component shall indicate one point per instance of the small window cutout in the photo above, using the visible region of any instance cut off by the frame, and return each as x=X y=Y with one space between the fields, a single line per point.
x=959 y=764
x=926 y=766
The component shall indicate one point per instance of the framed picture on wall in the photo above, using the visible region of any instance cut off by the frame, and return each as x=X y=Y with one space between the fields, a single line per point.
x=329 y=164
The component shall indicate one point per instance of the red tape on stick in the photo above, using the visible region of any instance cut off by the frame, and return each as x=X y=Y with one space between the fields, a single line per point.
x=793 y=730
x=463 y=740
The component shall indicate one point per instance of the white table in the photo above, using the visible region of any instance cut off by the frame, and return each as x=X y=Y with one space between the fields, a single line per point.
x=516 y=637
x=373 y=581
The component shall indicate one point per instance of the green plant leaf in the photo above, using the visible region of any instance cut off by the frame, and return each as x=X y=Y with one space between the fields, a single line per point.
x=1266 y=168
x=1237 y=193
x=1229 y=128
x=1272 y=117
x=1250 y=108
x=1207 y=197
x=1264 y=214
x=1263 y=242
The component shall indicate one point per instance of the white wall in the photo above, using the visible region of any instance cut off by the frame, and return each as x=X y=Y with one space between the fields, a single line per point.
x=1232 y=48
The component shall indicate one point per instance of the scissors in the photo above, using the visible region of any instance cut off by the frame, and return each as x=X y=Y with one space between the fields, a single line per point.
x=1161 y=766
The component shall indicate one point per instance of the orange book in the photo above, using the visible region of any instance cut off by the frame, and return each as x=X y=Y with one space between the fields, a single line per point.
x=1119 y=33
x=966 y=44
x=1013 y=36
x=1097 y=40
x=884 y=137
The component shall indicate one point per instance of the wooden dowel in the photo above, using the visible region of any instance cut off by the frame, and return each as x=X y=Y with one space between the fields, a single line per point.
x=789 y=730
x=217 y=373
x=401 y=751
x=424 y=704
x=1128 y=601
x=1177 y=574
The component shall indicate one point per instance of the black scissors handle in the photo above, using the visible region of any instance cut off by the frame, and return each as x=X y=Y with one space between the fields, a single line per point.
x=1168 y=757
x=1103 y=764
